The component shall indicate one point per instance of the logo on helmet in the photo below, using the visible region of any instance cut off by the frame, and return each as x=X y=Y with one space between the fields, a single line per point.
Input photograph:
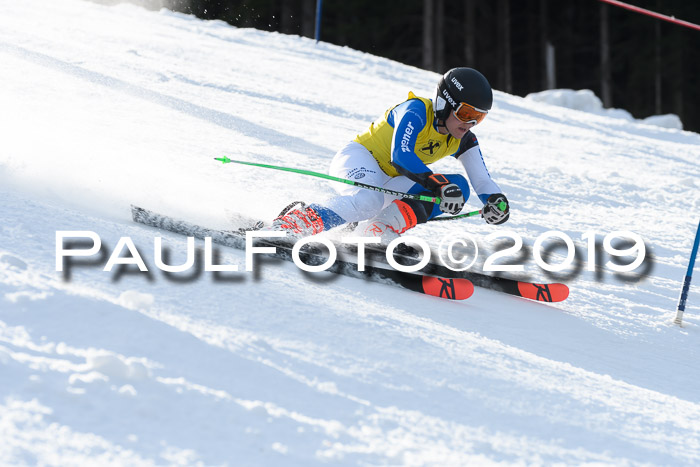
x=449 y=98
x=457 y=83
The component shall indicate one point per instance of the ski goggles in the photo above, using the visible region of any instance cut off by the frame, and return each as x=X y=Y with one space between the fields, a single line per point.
x=469 y=114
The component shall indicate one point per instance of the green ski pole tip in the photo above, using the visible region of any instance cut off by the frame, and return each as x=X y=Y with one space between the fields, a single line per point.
x=223 y=159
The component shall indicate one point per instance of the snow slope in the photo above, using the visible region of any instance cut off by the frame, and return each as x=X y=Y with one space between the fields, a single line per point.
x=102 y=107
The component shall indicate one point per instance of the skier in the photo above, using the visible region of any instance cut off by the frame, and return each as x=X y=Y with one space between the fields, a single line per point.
x=394 y=152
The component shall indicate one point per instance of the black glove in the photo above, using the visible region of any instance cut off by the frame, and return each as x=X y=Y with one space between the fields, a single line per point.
x=496 y=210
x=451 y=196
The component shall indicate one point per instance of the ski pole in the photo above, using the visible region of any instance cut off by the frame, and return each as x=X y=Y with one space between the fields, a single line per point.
x=460 y=216
x=432 y=199
x=688 y=276
x=502 y=206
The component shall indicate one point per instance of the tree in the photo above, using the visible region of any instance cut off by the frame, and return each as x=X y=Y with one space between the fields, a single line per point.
x=428 y=34
x=605 y=70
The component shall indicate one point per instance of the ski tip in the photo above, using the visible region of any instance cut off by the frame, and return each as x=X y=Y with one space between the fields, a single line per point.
x=544 y=292
x=453 y=289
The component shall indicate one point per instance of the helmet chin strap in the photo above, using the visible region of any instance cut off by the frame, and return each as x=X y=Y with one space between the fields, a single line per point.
x=441 y=124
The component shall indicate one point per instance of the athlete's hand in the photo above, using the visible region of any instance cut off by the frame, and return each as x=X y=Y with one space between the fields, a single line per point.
x=496 y=210
x=451 y=196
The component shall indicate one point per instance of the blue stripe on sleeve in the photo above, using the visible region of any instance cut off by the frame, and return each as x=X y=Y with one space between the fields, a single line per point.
x=408 y=119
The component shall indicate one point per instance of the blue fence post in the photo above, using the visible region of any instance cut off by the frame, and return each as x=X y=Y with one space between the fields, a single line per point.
x=319 y=5
x=686 y=282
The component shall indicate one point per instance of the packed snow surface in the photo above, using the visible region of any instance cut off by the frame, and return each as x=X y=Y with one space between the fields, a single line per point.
x=104 y=107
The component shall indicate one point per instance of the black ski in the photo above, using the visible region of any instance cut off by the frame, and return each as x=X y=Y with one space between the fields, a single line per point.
x=449 y=288
x=551 y=292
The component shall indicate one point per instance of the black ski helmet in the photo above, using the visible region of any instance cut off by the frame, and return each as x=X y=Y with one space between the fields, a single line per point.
x=461 y=85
